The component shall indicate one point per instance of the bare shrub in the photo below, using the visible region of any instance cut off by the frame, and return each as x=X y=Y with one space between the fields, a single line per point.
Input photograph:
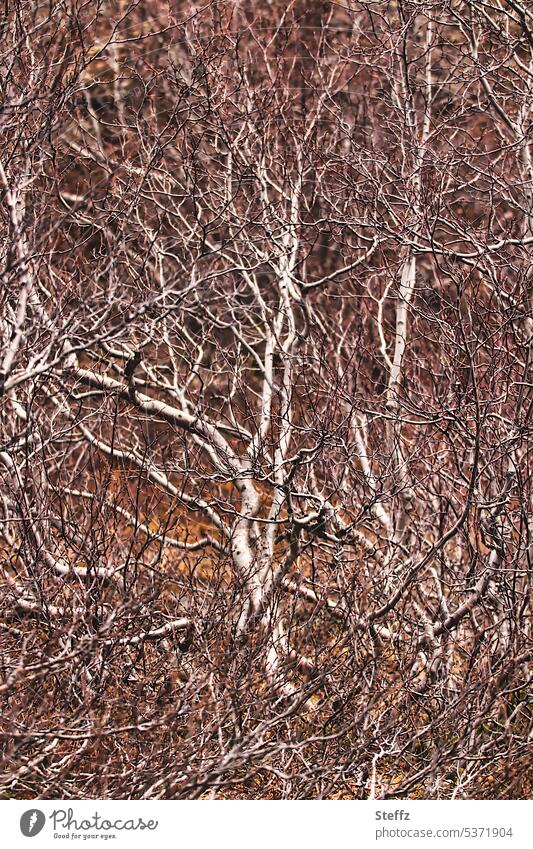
x=266 y=400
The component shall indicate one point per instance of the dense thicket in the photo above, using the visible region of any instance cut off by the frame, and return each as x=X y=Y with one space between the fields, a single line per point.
x=265 y=408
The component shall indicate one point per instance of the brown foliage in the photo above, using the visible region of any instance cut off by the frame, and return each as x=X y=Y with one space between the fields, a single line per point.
x=265 y=400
